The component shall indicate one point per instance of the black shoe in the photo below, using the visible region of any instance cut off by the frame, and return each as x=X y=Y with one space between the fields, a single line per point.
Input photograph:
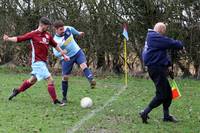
x=64 y=100
x=14 y=94
x=92 y=84
x=170 y=118
x=58 y=102
x=144 y=117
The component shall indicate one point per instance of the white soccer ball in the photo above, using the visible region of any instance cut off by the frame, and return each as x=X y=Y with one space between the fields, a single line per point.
x=86 y=102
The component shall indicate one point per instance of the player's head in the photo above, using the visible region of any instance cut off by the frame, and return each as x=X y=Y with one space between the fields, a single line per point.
x=44 y=23
x=160 y=27
x=59 y=27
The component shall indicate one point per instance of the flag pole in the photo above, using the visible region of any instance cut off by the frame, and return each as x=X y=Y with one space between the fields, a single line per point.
x=125 y=34
x=125 y=64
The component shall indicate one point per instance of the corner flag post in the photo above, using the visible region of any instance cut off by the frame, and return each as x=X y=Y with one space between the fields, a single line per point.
x=125 y=63
x=125 y=34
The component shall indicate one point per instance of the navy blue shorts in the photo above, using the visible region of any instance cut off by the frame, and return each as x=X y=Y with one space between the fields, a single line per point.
x=78 y=58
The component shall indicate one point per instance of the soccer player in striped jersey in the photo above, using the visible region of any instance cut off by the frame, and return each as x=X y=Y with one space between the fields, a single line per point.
x=40 y=41
x=64 y=38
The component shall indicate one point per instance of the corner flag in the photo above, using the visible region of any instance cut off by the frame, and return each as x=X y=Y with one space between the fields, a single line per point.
x=125 y=32
x=175 y=90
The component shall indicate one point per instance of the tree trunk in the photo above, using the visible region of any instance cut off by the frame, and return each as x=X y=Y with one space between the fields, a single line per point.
x=185 y=70
x=101 y=59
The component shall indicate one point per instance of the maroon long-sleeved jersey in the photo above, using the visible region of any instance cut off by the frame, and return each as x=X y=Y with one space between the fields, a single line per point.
x=40 y=42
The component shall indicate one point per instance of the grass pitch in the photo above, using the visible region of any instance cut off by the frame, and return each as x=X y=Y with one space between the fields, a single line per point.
x=32 y=111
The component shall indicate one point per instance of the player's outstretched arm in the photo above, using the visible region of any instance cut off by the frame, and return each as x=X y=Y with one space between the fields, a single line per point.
x=56 y=53
x=63 y=52
x=76 y=32
x=11 y=39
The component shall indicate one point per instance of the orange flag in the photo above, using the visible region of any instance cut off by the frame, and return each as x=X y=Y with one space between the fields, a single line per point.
x=175 y=90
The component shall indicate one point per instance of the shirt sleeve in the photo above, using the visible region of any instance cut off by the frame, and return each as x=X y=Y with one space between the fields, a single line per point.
x=74 y=31
x=24 y=37
x=52 y=42
x=163 y=42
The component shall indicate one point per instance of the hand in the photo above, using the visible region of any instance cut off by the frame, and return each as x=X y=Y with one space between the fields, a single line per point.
x=81 y=35
x=5 y=37
x=66 y=58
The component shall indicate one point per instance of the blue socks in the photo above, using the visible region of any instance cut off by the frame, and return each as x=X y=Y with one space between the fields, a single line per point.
x=64 y=89
x=88 y=74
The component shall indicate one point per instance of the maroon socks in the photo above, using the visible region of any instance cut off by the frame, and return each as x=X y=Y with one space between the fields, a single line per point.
x=25 y=85
x=52 y=92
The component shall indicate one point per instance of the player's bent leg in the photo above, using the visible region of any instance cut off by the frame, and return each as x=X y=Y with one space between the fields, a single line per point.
x=52 y=92
x=25 y=85
x=64 y=87
x=88 y=74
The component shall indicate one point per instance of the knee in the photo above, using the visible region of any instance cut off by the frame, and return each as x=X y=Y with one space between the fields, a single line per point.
x=159 y=97
x=50 y=80
x=65 y=78
x=169 y=96
x=83 y=66
x=32 y=80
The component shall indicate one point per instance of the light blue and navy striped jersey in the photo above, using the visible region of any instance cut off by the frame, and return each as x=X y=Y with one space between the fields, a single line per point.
x=67 y=42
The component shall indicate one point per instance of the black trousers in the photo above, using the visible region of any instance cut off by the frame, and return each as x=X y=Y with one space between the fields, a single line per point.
x=163 y=90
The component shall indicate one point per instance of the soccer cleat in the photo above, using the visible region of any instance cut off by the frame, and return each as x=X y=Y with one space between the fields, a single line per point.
x=64 y=100
x=58 y=102
x=14 y=94
x=170 y=118
x=92 y=84
x=144 y=117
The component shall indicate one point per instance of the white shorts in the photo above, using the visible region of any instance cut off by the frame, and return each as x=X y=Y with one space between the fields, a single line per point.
x=40 y=70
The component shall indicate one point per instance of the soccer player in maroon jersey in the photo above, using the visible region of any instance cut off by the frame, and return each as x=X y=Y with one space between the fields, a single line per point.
x=40 y=41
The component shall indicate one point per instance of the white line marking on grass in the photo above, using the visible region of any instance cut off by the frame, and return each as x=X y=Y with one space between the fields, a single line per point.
x=95 y=111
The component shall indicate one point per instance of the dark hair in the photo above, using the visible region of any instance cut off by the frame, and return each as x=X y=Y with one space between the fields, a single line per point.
x=58 y=23
x=45 y=21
